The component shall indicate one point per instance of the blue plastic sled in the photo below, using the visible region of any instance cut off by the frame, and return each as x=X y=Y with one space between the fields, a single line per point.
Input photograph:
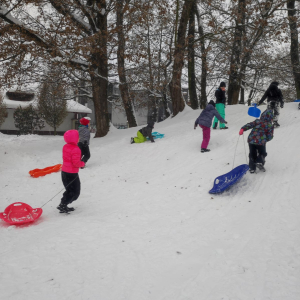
x=225 y=181
x=254 y=111
x=157 y=135
x=297 y=100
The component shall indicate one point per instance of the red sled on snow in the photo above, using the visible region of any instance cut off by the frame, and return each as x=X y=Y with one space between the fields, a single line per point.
x=42 y=172
x=20 y=213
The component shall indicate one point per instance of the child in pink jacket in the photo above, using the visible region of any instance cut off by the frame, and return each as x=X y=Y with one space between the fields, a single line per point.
x=69 y=172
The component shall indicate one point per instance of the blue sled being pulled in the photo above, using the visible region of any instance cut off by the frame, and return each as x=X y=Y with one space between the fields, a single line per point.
x=157 y=135
x=225 y=181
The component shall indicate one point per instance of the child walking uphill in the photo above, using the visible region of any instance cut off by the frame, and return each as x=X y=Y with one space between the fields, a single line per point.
x=70 y=169
x=84 y=139
x=261 y=133
x=205 y=120
x=143 y=133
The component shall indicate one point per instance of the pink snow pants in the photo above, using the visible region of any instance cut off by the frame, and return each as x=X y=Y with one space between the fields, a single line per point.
x=206 y=136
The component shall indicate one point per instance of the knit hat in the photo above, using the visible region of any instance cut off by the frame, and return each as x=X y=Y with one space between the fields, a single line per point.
x=275 y=83
x=222 y=84
x=84 y=121
x=212 y=103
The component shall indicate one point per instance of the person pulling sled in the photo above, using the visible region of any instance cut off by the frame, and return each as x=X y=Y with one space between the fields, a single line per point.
x=69 y=171
x=262 y=132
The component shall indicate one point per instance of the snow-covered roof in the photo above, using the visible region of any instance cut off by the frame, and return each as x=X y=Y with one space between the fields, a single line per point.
x=72 y=106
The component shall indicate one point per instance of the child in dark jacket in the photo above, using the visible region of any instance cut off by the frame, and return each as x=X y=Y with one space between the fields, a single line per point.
x=261 y=133
x=274 y=98
x=70 y=169
x=220 y=105
x=143 y=133
x=205 y=120
x=84 y=139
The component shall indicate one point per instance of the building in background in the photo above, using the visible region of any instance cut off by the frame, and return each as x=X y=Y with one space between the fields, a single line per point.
x=13 y=100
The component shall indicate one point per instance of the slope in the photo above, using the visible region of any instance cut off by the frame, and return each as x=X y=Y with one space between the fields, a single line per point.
x=145 y=226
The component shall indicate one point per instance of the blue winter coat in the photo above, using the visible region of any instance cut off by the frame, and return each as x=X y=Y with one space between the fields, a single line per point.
x=206 y=116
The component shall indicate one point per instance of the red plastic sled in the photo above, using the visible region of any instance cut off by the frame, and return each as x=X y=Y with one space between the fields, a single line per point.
x=20 y=213
x=42 y=172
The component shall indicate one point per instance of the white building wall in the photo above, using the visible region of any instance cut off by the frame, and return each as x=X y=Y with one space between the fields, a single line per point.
x=9 y=123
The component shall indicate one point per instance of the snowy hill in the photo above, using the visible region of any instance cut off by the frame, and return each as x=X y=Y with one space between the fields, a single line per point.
x=145 y=226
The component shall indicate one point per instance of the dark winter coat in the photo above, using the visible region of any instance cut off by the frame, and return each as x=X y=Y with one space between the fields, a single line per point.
x=84 y=134
x=263 y=129
x=206 y=116
x=220 y=96
x=147 y=131
x=273 y=93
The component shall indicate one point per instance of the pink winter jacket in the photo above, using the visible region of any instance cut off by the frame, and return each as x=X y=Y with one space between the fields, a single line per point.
x=71 y=153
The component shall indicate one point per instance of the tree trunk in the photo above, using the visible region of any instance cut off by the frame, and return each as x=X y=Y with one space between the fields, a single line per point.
x=191 y=61
x=175 y=84
x=235 y=61
x=242 y=100
x=123 y=86
x=294 y=45
x=99 y=73
x=203 y=79
x=253 y=88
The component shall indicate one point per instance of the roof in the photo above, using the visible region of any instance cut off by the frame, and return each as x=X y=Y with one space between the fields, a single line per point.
x=72 y=106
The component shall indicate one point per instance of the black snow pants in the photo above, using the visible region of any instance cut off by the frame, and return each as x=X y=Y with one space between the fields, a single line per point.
x=71 y=182
x=85 y=151
x=257 y=154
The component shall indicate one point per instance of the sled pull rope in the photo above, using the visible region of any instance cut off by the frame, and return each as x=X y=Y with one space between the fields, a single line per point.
x=245 y=150
x=59 y=191
x=235 y=151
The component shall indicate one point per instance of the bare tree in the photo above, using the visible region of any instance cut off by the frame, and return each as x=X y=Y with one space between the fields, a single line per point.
x=191 y=59
x=52 y=102
x=71 y=33
x=123 y=85
x=292 y=18
x=175 y=84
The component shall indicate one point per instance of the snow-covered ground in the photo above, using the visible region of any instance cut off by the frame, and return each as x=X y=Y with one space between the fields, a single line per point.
x=145 y=226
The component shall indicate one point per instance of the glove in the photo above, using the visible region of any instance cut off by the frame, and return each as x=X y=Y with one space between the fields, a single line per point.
x=226 y=122
x=241 y=131
x=281 y=105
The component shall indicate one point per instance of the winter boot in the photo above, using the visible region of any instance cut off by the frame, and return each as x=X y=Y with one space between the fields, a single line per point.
x=204 y=150
x=215 y=125
x=224 y=127
x=261 y=167
x=63 y=208
x=252 y=171
x=132 y=140
x=70 y=208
